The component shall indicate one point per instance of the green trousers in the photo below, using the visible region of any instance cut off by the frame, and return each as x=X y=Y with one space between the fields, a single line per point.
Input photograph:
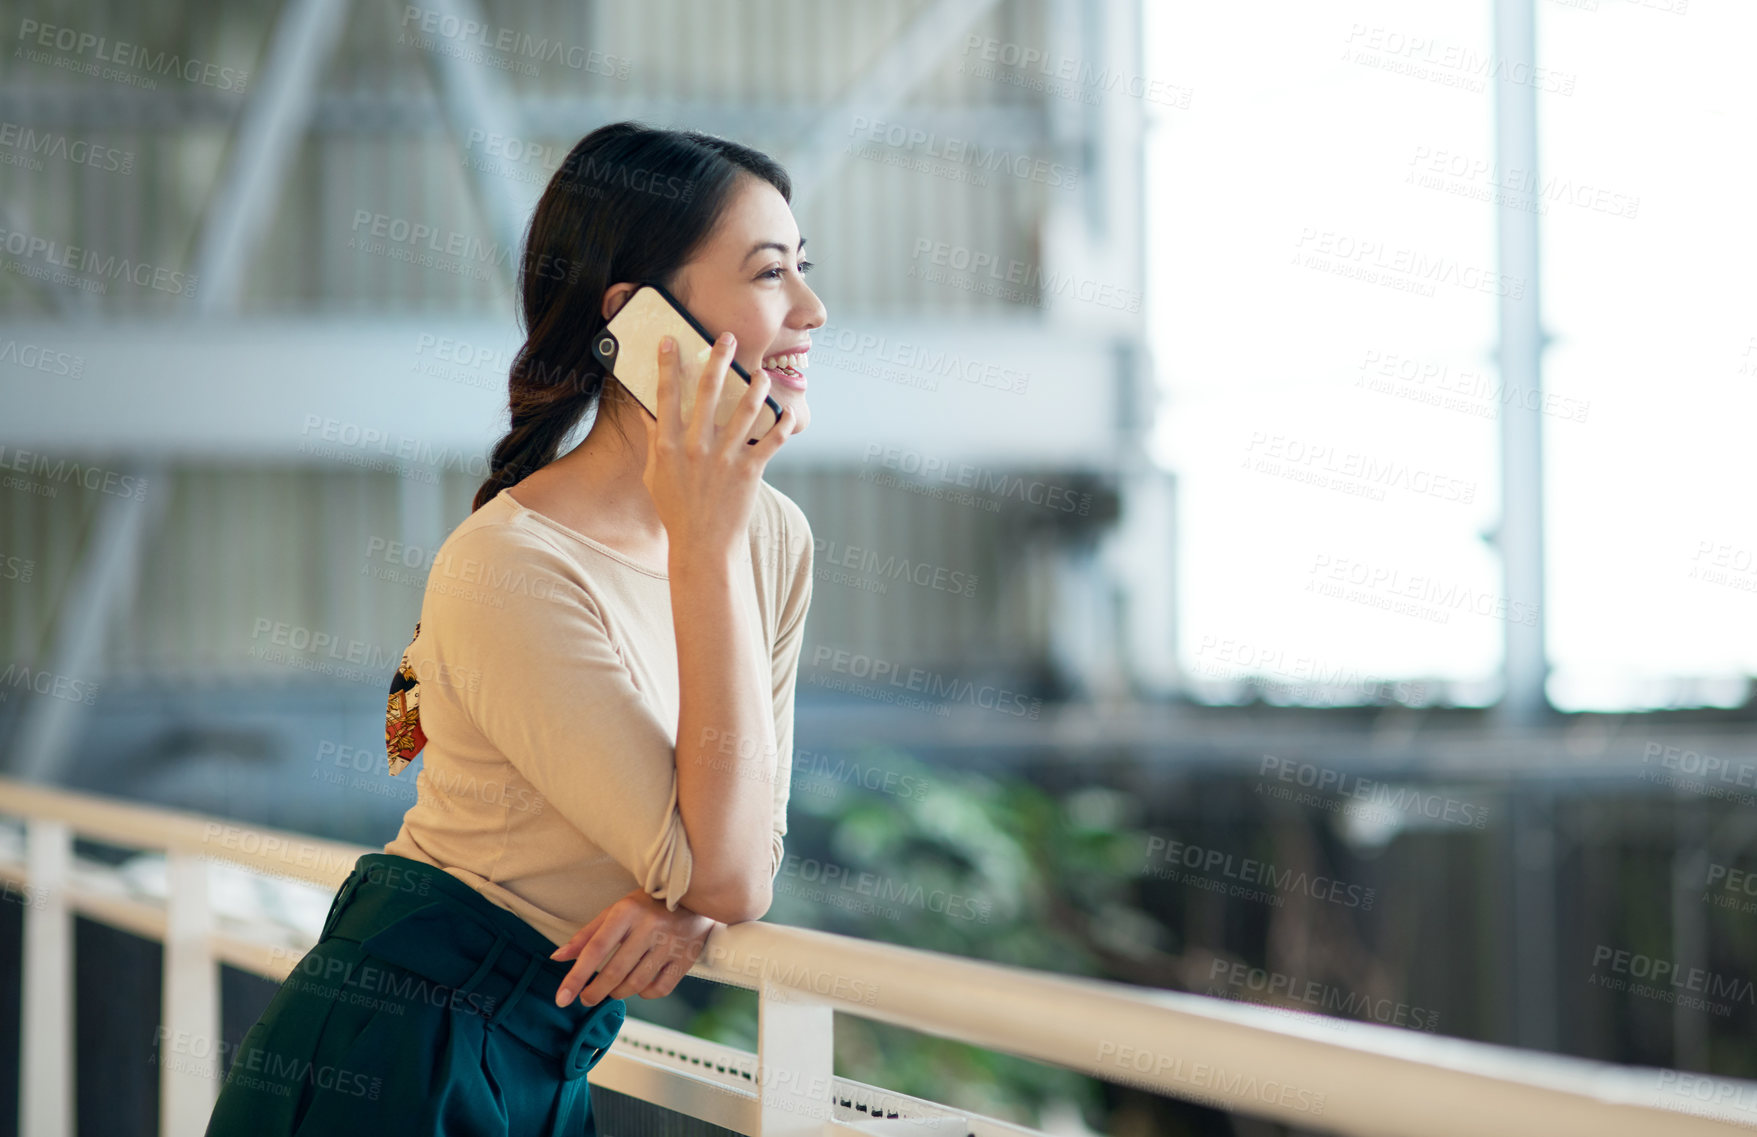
x=424 y=1009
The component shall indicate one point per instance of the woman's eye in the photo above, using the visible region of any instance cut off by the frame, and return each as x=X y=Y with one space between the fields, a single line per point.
x=775 y=273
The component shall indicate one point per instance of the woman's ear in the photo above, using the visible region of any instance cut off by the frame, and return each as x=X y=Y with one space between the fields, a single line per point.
x=616 y=296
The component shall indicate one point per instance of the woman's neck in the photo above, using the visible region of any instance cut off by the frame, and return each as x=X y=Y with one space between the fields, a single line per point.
x=598 y=488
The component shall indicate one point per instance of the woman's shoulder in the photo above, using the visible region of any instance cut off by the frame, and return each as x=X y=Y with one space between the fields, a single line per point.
x=497 y=556
x=779 y=521
x=506 y=521
x=499 y=530
x=785 y=510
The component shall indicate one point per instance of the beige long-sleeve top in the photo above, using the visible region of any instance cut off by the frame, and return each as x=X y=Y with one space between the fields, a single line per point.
x=549 y=697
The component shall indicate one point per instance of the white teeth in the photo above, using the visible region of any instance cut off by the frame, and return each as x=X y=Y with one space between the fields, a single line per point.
x=793 y=361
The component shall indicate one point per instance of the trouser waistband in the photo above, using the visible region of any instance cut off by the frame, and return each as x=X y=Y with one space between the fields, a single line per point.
x=489 y=961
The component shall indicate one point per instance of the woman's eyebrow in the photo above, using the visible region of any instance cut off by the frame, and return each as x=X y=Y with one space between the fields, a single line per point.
x=775 y=245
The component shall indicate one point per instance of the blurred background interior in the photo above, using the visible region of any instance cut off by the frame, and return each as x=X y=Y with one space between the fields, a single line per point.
x=1314 y=435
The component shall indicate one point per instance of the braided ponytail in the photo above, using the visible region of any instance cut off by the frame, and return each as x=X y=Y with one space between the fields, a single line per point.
x=543 y=415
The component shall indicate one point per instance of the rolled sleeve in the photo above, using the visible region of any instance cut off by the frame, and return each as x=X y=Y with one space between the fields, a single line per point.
x=552 y=694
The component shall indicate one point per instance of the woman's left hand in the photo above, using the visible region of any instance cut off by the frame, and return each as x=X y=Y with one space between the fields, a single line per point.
x=637 y=946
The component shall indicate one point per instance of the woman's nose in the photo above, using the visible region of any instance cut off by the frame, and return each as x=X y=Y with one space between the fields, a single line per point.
x=815 y=308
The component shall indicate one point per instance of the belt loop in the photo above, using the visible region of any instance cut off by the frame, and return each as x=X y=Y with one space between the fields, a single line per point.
x=482 y=969
x=343 y=895
x=517 y=991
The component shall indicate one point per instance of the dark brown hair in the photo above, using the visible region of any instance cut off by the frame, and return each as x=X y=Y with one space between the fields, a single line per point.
x=629 y=203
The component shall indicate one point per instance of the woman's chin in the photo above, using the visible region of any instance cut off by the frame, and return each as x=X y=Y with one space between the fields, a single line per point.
x=794 y=401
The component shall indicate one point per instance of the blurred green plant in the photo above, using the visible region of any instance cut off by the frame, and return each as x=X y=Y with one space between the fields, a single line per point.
x=881 y=847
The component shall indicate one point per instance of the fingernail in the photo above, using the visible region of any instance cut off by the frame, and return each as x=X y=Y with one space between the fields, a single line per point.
x=667 y=344
x=563 y=997
x=725 y=339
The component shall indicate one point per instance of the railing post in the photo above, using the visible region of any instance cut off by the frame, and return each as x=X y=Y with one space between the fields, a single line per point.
x=795 y=1063
x=189 y=1034
x=45 y=1083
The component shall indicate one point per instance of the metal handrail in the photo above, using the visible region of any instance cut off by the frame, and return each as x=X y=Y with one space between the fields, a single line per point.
x=1319 y=1074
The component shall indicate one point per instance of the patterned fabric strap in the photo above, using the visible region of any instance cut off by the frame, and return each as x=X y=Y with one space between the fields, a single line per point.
x=403 y=736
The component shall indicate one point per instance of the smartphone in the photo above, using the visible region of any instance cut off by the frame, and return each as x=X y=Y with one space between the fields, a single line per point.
x=628 y=347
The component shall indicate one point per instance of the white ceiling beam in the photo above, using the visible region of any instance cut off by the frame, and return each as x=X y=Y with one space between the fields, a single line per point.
x=379 y=388
x=880 y=90
x=270 y=128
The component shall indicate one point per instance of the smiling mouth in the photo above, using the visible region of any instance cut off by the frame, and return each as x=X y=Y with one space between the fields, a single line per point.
x=790 y=363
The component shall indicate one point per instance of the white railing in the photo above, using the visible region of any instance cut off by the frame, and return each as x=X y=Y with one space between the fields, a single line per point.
x=1316 y=1073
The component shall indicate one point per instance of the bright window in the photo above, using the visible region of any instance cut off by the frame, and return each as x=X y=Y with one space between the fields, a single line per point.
x=1323 y=292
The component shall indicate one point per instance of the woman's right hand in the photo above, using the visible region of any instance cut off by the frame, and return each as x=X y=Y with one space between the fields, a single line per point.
x=703 y=477
x=636 y=946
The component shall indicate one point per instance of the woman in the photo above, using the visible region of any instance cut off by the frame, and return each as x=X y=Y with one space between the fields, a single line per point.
x=605 y=661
